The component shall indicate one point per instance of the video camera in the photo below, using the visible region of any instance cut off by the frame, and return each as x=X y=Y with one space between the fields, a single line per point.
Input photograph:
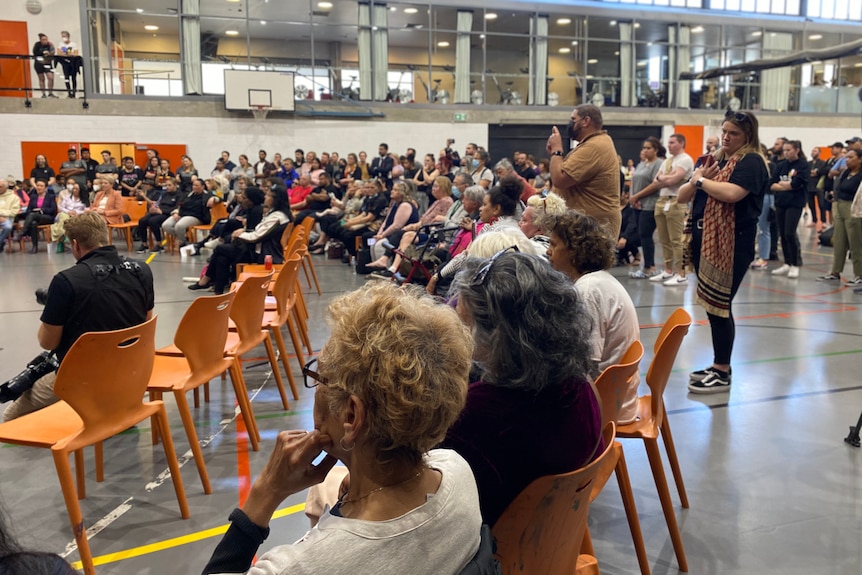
x=40 y=366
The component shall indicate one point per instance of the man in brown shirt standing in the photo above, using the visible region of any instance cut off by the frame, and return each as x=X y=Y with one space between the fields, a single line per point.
x=589 y=176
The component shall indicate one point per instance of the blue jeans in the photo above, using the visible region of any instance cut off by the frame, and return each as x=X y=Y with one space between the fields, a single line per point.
x=763 y=237
x=5 y=230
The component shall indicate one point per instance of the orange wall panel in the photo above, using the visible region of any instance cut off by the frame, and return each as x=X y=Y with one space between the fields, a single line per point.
x=58 y=152
x=693 y=139
x=14 y=73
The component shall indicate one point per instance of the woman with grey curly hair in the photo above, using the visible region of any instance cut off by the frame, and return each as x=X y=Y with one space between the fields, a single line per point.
x=582 y=249
x=389 y=382
x=532 y=395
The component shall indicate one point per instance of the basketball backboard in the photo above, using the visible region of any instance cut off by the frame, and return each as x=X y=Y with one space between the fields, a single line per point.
x=248 y=89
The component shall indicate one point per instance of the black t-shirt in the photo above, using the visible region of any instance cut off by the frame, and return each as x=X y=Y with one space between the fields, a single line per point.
x=796 y=172
x=526 y=172
x=375 y=205
x=42 y=174
x=82 y=301
x=91 y=168
x=81 y=179
x=750 y=173
x=846 y=186
x=130 y=179
x=320 y=204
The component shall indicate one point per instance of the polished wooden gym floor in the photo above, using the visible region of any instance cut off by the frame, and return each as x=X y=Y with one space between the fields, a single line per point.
x=772 y=485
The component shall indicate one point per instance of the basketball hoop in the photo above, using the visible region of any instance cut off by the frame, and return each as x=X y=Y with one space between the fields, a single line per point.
x=260 y=112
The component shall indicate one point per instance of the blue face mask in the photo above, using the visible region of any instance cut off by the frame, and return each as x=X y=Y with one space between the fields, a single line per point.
x=456 y=193
x=474 y=162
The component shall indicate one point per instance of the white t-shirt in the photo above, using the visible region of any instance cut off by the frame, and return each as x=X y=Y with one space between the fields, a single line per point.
x=683 y=161
x=437 y=538
x=67 y=48
x=615 y=328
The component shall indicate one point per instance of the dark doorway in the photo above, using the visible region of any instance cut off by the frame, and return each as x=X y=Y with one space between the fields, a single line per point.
x=503 y=140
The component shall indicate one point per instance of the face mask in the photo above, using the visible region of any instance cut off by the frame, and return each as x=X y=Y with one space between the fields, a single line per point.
x=570 y=131
x=474 y=163
x=70 y=187
x=96 y=187
x=456 y=193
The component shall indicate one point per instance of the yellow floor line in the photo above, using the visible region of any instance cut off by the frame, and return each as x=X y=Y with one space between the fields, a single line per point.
x=177 y=541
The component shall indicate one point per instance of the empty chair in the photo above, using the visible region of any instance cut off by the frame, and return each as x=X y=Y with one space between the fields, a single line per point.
x=95 y=405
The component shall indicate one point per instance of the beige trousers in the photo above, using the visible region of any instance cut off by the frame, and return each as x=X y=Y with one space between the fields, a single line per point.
x=670 y=222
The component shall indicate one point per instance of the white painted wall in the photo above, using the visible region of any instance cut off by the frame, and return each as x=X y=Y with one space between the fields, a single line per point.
x=56 y=15
x=207 y=137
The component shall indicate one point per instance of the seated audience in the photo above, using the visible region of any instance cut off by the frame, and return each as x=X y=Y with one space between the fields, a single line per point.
x=408 y=508
x=70 y=204
x=504 y=168
x=10 y=207
x=40 y=212
x=158 y=211
x=192 y=211
x=108 y=202
x=581 y=249
x=531 y=395
x=249 y=245
x=402 y=212
x=537 y=206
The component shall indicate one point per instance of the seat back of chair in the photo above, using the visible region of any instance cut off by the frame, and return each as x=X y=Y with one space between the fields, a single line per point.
x=105 y=374
x=542 y=529
x=136 y=208
x=285 y=235
x=285 y=286
x=218 y=211
x=296 y=241
x=202 y=332
x=613 y=383
x=666 y=347
x=249 y=305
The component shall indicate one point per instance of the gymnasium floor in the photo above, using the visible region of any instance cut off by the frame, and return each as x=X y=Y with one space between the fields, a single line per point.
x=772 y=486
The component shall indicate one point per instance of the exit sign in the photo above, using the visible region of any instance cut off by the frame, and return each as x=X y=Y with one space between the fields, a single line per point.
x=460 y=116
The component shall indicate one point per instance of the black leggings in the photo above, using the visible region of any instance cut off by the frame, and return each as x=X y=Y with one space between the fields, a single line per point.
x=787 y=220
x=724 y=328
x=32 y=223
x=223 y=260
x=646 y=228
x=153 y=222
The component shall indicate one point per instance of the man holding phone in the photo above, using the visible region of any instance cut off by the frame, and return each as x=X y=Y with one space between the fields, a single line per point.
x=670 y=215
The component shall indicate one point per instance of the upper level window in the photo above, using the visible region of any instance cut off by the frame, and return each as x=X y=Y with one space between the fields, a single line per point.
x=671 y=3
x=778 y=7
x=835 y=9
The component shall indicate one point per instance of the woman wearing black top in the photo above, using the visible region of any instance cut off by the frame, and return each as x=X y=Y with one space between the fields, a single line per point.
x=41 y=211
x=848 y=230
x=42 y=172
x=186 y=173
x=790 y=184
x=726 y=197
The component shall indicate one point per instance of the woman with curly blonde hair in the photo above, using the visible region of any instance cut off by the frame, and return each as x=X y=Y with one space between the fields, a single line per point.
x=389 y=382
x=582 y=249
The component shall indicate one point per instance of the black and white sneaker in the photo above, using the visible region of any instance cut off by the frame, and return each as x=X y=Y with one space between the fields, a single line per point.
x=714 y=381
x=701 y=374
x=143 y=248
x=382 y=275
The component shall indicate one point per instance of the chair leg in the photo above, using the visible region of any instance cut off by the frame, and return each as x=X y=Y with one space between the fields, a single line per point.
x=276 y=372
x=666 y=504
x=67 y=485
x=302 y=328
x=79 y=474
x=241 y=392
x=170 y=454
x=197 y=397
x=307 y=277
x=313 y=272
x=279 y=342
x=206 y=387
x=192 y=435
x=587 y=543
x=624 y=482
x=673 y=460
x=297 y=346
x=100 y=463
x=154 y=428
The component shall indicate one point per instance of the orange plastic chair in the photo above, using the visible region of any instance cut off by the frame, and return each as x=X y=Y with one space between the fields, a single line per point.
x=136 y=209
x=542 y=529
x=308 y=224
x=217 y=211
x=652 y=421
x=95 y=406
x=45 y=230
x=613 y=385
x=201 y=337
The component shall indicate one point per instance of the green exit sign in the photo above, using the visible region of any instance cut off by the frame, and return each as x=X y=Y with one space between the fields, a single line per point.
x=460 y=116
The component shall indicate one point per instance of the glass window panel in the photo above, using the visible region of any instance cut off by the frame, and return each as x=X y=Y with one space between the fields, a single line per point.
x=814 y=8
x=855 y=10
x=733 y=4
x=218 y=8
x=748 y=5
x=841 y=7
x=779 y=7
x=763 y=6
x=828 y=9
x=717 y=4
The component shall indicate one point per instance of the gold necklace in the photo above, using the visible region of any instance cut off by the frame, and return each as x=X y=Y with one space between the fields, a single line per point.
x=378 y=489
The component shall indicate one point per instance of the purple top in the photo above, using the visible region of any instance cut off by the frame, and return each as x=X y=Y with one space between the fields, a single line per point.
x=511 y=437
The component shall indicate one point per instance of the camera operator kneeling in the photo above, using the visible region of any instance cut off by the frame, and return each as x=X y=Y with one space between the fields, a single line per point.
x=101 y=292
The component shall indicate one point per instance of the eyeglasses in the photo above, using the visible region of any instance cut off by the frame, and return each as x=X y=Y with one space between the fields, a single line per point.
x=316 y=378
x=482 y=272
x=738 y=116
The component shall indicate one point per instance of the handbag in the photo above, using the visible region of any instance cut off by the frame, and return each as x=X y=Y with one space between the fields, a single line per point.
x=334 y=249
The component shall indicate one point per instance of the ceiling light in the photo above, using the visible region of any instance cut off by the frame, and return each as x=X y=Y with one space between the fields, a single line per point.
x=757 y=33
x=490 y=16
x=617 y=53
x=393 y=9
x=642 y=63
x=816 y=37
x=857 y=65
x=592 y=61
x=589 y=76
x=574 y=42
x=481 y=36
x=235 y=1
x=613 y=22
x=232 y=32
x=443 y=44
x=151 y=27
x=324 y=5
x=139 y=10
x=564 y=50
x=263 y=22
x=697 y=30
x=564 y=21
x=649 y=43
x=410 y=10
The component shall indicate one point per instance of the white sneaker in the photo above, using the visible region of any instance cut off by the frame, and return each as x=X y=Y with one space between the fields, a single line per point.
x=660 y=277
x=793 y=272
x=676 y=280
x=782 y=271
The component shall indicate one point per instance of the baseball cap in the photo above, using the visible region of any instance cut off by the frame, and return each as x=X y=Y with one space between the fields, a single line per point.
x=854 y=140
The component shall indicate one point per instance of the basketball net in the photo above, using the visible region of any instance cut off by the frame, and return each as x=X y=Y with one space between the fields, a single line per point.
x=260 y=112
